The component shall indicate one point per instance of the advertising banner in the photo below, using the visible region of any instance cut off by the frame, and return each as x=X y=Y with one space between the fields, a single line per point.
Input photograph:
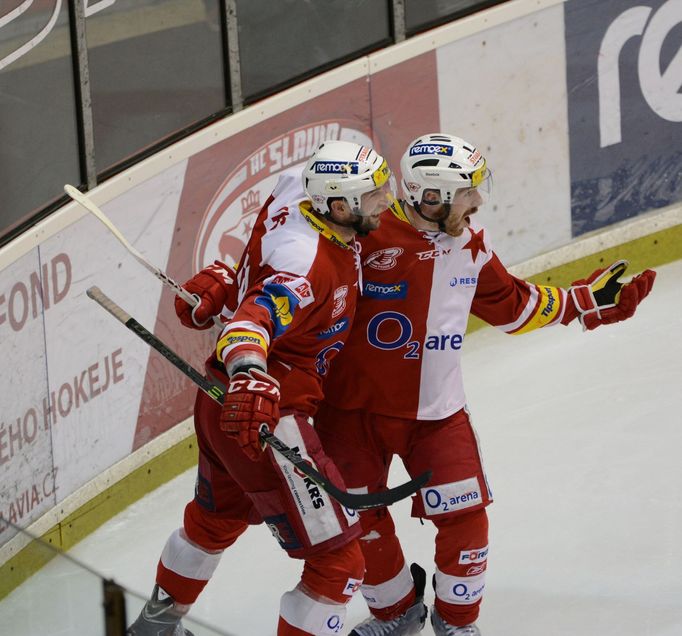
x=624 y=73
x=27 y=472
x=72 y=375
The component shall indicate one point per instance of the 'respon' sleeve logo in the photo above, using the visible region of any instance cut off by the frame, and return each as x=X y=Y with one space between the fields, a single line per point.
x=233 y=338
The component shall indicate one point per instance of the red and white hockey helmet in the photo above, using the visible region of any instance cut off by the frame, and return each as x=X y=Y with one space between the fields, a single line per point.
x=343 y=169
x=442 y=163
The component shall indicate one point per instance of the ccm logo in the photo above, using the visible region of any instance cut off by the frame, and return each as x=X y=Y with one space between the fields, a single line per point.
x=253 y=386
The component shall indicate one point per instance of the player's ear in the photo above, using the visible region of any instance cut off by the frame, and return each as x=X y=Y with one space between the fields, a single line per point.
x=337 y=205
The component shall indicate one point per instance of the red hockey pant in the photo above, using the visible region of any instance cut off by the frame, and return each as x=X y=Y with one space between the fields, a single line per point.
x=233 y=492
x=362 y=446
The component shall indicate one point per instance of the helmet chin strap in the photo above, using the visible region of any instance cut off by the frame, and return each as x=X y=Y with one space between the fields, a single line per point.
x=441 y=222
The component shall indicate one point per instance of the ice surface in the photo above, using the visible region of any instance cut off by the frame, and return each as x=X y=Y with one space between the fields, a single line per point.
x=582 y=436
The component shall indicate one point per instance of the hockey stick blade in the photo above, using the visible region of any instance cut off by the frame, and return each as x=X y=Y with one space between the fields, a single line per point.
x=90 y=206
x=217 y=392
x=345 y=498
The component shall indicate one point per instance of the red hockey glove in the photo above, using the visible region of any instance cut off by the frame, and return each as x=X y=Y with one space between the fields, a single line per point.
x=252 y=399
x=216 y=287
x=602 y=300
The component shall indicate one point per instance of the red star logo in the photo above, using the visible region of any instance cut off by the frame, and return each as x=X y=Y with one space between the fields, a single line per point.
x=475 y=244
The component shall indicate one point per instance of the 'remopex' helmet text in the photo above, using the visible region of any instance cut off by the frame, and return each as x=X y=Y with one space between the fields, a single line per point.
x=343 y=169
x=443 y=163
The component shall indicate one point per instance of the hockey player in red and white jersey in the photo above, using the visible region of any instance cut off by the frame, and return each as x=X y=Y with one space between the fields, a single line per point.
x=396 y=389
x=297 y=289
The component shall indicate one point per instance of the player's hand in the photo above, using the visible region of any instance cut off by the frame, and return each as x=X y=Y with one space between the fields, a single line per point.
x=251 y=400
x=601 y=299
x=214 y=287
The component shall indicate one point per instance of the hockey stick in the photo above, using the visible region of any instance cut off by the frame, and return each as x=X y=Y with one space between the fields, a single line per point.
x=217 y=392
x=87 y=203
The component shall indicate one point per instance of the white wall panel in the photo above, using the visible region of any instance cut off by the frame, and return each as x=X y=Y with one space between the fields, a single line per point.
x=504 y=89
x=96 y=366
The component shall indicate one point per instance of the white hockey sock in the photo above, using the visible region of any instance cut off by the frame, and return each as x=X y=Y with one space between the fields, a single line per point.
x=315 y=617
x=459 y=590
x=389 y=592
x=187 y=559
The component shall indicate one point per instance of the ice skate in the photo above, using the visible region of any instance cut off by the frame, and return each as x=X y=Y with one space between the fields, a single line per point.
x=441 y=628
x=411 y=622
x=158 y=618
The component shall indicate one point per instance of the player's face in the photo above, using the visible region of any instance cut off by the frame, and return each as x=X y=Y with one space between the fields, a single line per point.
x=343 y=215
x=432 y=206
x=374 y=203
x=369 y=223
x=465 y=203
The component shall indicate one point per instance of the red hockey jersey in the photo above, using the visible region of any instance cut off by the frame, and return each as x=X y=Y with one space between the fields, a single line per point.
x=298 y=285
x=403 y=355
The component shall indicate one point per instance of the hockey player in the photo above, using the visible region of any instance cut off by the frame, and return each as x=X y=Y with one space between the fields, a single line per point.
x=397 y=389
x=429 y=266
x=297 y=287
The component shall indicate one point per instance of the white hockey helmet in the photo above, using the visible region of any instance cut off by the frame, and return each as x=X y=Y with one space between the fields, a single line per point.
x=443 y=163
x=343 y=169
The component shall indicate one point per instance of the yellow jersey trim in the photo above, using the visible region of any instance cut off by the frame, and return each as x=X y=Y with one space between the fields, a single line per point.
x=397 y=211
x=546 y=311
x=319 y=226
x=240 y=337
